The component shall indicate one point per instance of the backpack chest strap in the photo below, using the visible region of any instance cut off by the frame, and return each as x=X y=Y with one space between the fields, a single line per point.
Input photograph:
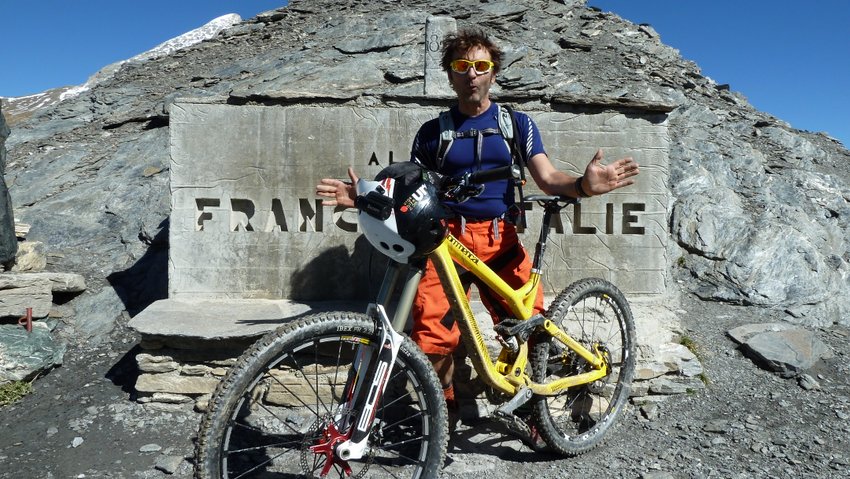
x=472 y=133
x=448 y=133
x=478 y=135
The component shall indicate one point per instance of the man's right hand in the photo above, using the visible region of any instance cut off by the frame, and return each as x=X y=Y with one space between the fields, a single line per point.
x=338 y=192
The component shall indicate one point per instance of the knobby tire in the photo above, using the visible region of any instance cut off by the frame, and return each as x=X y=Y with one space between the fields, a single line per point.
x=280 y=399
x=595 y=313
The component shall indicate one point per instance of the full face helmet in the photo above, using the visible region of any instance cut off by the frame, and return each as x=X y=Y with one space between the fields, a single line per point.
x=400 y=212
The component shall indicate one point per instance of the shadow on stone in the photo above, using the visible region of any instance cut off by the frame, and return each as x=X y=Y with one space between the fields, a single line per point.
x=147 y=280
x=125 y=372
x=334 y=275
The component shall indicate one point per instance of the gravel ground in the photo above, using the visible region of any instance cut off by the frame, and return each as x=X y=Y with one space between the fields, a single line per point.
x=81 y=422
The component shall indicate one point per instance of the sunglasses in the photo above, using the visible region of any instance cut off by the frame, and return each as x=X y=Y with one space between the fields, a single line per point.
x=480 y=66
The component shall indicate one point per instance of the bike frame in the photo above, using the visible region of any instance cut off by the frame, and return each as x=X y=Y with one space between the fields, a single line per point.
x=505 y=374
x=506 y=377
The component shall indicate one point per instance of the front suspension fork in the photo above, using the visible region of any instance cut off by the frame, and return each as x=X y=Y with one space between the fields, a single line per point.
x=370 y=386
x=373 y=367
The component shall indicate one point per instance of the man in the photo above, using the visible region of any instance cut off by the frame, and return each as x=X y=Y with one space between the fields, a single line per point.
x=472 y=61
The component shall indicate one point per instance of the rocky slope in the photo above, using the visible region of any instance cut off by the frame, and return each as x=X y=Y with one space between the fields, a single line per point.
x=759 y=217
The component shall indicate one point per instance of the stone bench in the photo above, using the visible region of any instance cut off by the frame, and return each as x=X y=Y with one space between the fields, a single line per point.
x=187 y=345
x=176 y=321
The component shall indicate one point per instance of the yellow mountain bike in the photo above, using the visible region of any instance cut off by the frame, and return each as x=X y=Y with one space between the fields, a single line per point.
x=345 y=394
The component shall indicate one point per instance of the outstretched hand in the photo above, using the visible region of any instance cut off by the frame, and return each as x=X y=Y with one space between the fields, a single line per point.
x=338 y=192
x=600 y=179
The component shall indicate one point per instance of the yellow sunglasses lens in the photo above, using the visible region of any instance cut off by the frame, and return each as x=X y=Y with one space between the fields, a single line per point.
x=480 y=66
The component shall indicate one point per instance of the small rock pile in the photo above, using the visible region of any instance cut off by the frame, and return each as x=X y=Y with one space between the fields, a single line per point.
x=30 y=300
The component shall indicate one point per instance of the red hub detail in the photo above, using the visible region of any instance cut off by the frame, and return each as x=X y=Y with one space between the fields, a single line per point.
x=326 y=445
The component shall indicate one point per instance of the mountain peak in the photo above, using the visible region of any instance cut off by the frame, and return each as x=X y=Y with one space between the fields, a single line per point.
x=19 y=108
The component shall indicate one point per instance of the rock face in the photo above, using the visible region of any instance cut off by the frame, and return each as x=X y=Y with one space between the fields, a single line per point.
x=8 y=241
x=759 y=217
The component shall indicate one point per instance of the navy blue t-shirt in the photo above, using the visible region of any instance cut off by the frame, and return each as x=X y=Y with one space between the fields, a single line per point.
x=497 y=196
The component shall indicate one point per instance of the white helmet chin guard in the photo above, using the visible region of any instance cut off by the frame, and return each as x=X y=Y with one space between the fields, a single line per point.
x=400 y=212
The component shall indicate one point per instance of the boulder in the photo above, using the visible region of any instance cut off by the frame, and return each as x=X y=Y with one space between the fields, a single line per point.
x=26 y=355
x=786 y=350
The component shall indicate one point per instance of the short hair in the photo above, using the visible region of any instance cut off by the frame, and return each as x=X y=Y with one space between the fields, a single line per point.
x=465 y=40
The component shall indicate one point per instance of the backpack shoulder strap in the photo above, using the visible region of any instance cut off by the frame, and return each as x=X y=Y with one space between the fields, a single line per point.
x=508 y=125
x=447 y=136
x=506 y=122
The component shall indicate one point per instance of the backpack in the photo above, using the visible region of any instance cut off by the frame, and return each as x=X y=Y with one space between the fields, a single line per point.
x=509 y=132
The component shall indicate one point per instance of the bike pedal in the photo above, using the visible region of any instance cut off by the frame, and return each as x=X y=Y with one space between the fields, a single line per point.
x=522 y=430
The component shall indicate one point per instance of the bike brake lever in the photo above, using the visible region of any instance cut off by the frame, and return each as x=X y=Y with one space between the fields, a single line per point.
x=463 y=189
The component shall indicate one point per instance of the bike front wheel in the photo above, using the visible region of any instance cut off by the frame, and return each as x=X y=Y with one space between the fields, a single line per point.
x=596 y=314
x=281 y=410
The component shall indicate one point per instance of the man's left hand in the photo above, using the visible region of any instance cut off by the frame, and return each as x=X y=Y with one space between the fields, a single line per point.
x=600 y=179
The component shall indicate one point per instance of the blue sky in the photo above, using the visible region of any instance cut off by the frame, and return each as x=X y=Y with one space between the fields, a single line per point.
x=789 y=58
x=53 y=43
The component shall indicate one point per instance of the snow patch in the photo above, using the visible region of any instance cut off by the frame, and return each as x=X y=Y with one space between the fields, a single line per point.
x=207 y=31
x=190 y=38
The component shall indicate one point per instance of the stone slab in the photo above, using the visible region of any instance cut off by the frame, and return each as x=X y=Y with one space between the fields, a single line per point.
x=224 y=319
x=19 y=291
x=435 y=77
x=62 y=282
x=172 y=383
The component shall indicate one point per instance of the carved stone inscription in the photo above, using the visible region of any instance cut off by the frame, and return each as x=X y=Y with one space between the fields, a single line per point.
x=435 y=78
x=246 y=223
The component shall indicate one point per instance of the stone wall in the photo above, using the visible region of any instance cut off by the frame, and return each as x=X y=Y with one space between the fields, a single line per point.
x=178 y=369
x=246 y=222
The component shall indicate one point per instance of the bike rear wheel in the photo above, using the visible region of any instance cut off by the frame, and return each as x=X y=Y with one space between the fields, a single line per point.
x=596 y=314
x=278 y=412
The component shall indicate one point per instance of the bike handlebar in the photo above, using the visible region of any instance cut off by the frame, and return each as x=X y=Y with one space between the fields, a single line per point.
x=469 y=185
x=495 y=174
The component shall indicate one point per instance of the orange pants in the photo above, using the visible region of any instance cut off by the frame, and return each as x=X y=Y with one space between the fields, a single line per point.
x=434 y=328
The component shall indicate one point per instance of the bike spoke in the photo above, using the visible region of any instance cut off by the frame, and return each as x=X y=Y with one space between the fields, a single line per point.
x=596 y=315
x=291 y=413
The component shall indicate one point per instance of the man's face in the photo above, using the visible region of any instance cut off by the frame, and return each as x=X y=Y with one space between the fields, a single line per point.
x=472 y=87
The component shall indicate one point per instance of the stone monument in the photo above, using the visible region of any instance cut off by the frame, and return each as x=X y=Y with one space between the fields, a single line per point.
x=251 y=246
